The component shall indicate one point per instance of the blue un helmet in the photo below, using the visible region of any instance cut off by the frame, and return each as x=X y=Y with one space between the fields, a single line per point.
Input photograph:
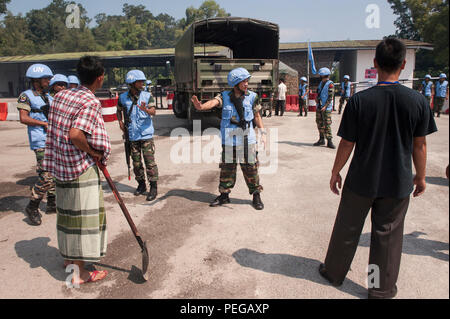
x=303 y=79
x=347 y=77
x=149 y=82
x=39 y=71
x=135 y=75
x=324 y=72
x=428 y=76
x=59 y=78
x=73 y=80
x=236 y=76
x=442 y=76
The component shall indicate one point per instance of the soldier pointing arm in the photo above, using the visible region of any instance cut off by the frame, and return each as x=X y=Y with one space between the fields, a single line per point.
x=240 y=114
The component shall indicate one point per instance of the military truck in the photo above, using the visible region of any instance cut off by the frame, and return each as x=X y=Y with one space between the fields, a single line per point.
x=210 y=49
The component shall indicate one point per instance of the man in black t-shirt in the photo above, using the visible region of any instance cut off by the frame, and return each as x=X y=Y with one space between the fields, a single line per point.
x=387 y=125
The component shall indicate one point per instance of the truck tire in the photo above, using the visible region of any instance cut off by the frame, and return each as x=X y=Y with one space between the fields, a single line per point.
x=179 y=106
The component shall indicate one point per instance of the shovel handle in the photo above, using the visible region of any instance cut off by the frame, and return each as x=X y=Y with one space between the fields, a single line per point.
x=120 y=201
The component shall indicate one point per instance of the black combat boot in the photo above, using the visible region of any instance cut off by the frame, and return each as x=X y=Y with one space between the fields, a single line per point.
x=320 y=142
x=142 y=188
x=330 y=144
x=33 y=213
x=219 y=201
x=51 y=205
x=257 y=203
x=153 y=191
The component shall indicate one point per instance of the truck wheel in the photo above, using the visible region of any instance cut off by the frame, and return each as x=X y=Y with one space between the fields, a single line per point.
x=179 y=107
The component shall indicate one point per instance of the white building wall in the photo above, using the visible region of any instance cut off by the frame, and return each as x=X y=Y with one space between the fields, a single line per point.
x=364 y=61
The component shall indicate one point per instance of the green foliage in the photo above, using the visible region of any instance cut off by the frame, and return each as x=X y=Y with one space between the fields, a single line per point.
x=3 y=6
x=424 y=20
x=208 y=9
x=13 y=39
x=44 y=31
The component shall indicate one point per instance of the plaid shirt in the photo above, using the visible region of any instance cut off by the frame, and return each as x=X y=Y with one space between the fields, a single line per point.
x=75 y=108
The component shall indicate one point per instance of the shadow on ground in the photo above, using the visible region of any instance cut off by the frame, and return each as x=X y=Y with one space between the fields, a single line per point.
x=122 y=188
x=299 y=144
x=292 y=266
x=197 y=196
x=437 y=181
x=39 y=254
x=413 y=245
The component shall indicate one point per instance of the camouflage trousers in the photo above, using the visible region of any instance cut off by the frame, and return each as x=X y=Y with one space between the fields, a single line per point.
x=429 y=100
x=231 y=155
x=302 y=105
x=342 y=101
x=45 y=183
x=323 y=120
x=438 y=103
x=145 y=149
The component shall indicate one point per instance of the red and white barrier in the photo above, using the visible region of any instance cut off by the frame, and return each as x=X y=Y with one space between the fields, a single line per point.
x=109 y=109
x=3 y=111
x=312 y=102
x=170 y=97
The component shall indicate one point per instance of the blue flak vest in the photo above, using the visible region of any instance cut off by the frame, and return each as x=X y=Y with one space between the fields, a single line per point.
x=141 y=124
x=231 y=136
x=323 y=94
x=426 y=88
x=346 y=90
x=302 y=90
x=441 y=89
x=37 y=134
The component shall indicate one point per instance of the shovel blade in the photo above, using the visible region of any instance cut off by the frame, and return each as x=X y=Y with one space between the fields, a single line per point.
x=145 y=261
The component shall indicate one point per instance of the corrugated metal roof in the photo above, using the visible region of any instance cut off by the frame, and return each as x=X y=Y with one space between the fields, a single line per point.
x=102 y=54
x=349 y=44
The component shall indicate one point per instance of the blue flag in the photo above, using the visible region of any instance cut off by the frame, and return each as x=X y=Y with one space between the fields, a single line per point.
x=311 y=59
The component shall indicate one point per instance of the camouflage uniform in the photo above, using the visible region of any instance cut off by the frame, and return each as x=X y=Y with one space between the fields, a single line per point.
x=344 y=98
x=323 y=119
x=302 y=103
x=141 y=148
x=147 y=149
x=231 y=155
x=46 y=183
x=228 y=168
x=324 y=127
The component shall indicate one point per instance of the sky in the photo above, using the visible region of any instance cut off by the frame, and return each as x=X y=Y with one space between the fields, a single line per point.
x=299 y=20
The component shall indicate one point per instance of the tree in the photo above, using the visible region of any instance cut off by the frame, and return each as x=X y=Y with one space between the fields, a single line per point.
x=424 y=20
x=3 y=6
x=45 y=31
x=139 y=12
x=13 y=40
x=207 y=10
x=48 y=31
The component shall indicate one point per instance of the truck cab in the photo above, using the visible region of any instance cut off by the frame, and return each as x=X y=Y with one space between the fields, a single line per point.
x=210 y=49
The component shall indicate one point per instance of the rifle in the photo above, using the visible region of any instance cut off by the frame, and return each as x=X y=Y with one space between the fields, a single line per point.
x=46 y=108
x=126 y=139
x=243 y=124
x=322 y=114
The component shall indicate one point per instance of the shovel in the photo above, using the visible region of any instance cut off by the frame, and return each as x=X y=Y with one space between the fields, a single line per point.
x=142 y=244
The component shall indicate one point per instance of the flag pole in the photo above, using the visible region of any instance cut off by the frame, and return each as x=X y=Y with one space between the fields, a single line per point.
x=307 y=72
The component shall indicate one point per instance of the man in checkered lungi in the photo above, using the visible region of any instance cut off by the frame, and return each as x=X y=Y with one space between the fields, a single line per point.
x=76 y=138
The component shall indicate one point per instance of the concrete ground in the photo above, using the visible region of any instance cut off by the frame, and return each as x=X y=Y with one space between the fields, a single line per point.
x=228 y=252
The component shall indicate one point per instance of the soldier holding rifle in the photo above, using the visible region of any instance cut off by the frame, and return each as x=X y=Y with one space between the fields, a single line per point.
x=135 y=120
